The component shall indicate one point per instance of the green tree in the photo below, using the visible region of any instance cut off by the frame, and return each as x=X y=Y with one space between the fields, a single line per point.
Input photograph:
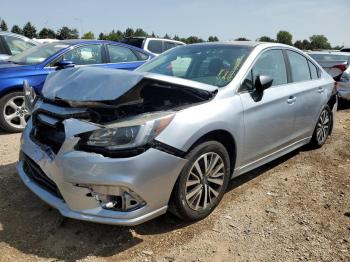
x=47 y=33
x=242 y=39
x=167 y=36
x=299 y=44
x=140 y=32
x=67 y=33
x=213 y=39
x=102 y=36
x=29 y=30
x=88 y=35
x=193 y=40
x=115 y=36
x=306 y=44
x=129 y=32
x=3 y=26
x=176 y=38
x=153 y=34
x=17 y=30
x=319 y=42
x=266 y=39
x=284 y=37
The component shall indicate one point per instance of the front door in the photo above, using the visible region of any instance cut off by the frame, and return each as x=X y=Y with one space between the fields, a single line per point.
x=269 y=117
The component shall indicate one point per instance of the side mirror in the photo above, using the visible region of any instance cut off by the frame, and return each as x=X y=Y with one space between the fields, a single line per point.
x=63 y=64
x=262 y=83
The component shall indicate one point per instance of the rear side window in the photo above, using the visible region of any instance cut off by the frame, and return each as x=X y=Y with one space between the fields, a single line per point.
x=119 y=54
x=155 y=46
x=141 y=56
x=169 y=45
x=271 y=63
x=299 y=67
x=313 y=70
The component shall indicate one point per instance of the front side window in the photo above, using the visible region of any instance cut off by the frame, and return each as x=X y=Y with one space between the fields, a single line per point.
x=155 y=46
x=84 y=55
x=210 y=64
x=270 y=63
x=17 y=45
x=37 y=54
x=119 y=54
x=299 y=67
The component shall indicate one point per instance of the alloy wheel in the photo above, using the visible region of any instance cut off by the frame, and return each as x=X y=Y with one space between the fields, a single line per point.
x=323 y=125
x=205 y=181
x=15 y=113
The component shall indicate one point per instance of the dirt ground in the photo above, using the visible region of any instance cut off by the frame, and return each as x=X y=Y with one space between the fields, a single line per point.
x=294 y=209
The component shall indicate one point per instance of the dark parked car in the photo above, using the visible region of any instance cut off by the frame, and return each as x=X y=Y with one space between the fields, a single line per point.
x=36 y=63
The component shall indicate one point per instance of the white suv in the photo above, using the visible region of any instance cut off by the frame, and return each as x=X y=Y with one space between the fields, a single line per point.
x=155 y=46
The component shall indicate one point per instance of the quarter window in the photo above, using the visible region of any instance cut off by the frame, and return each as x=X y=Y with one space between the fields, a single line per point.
x=168 y=45
x=271 y=63
x=155 y=46
x=85 y=55
x=313 y=70
x=119 y=54
x=299 y=67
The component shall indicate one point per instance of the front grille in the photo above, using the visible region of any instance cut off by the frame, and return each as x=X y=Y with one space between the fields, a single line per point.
x=35 y=173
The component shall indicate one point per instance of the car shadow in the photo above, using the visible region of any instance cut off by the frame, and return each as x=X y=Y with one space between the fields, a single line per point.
x=32 y=227
x=343 y=105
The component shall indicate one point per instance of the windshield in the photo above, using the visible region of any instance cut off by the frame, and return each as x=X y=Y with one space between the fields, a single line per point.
x=213 y=64
x=37 y=54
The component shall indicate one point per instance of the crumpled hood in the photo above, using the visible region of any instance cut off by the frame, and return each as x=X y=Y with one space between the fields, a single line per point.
x=84 y=84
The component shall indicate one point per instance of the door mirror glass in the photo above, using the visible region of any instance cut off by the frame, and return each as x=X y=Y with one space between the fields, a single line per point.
x=262 y=83
x=63 y=64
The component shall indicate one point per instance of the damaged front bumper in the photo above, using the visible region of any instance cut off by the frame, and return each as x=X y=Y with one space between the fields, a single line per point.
x=151 y=175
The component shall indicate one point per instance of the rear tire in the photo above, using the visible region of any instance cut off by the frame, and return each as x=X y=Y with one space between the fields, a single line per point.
x=323 y=128
x=13 y=113
x=202 y=182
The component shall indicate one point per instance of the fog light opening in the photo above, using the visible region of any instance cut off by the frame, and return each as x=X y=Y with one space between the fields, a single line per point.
x=115 y=198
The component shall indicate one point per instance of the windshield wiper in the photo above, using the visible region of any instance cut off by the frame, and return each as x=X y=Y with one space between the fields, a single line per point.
x=13 y=62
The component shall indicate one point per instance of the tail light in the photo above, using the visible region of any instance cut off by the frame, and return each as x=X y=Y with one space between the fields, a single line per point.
x=341 y=67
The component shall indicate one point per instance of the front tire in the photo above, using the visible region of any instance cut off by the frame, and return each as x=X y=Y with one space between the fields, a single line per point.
x=202 y=182
x=13 y=113
x=323 y=128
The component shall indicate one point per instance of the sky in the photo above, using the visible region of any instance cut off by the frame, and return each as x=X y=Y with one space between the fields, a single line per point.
x=227 y=19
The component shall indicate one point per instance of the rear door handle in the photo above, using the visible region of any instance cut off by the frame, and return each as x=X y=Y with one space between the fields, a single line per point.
x=291 y=100
x=320 y=90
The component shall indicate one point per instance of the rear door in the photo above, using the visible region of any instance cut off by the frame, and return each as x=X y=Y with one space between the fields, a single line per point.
x=268 y=119
x=309 y=92
x=121 y=57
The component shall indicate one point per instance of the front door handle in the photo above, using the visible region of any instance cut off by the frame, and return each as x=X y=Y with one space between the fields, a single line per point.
x=291 y=100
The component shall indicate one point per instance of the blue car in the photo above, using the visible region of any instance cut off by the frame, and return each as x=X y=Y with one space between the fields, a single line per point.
x=36 y=63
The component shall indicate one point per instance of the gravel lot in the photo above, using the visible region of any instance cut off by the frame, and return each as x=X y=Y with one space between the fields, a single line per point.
x=296 y=208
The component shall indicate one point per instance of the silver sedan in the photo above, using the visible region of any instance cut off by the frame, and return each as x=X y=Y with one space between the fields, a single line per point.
x=121 y=147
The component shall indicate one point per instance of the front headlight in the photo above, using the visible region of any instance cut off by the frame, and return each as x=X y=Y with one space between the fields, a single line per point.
x=29 y=96
x=125 y=135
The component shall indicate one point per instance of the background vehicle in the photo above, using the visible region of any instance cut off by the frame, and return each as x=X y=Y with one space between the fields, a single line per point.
x=13 y=44
x=345 y=49
x=36 y=63
x=155 y=46
x=171 y=139
x=337 y=64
